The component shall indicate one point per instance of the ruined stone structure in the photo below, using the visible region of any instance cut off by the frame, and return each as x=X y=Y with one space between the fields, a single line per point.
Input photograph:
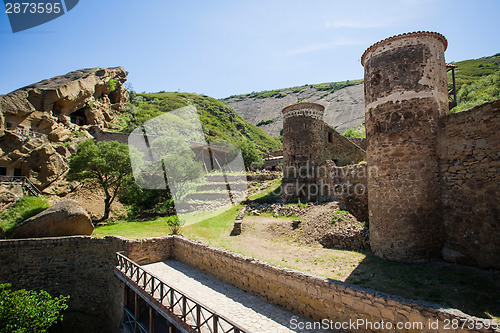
x=405 y=95
x=308 y=143
x=431 y=178
x=417 y=148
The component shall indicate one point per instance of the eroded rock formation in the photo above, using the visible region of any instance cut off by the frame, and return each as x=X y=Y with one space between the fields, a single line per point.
x=37 y=119
x=59 y=105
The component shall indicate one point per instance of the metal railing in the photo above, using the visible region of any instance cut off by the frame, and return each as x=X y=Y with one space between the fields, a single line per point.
x=28 y=132
x=199 y=317
x=130 y=322
x=25 y=182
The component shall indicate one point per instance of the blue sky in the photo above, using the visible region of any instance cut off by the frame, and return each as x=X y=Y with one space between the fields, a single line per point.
x=221 y=48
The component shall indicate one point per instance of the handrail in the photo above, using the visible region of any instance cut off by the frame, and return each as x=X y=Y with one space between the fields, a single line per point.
x=187 y=309
x=24 y=181
x=28 y=132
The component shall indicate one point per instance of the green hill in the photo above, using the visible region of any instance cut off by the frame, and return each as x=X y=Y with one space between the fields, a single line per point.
x=477 y=81
x=219 y=121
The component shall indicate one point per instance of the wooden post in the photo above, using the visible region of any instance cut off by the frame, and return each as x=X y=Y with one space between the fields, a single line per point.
x=136 y=312
x=151 y=320
x=216 y=324
x=184 y=305
x=198 y=316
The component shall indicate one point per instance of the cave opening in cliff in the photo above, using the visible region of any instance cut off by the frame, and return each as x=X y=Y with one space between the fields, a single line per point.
x=78 y=117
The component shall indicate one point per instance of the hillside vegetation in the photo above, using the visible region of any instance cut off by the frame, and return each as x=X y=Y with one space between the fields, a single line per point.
x=219 y=121
x=327 y=88
x=477 y=81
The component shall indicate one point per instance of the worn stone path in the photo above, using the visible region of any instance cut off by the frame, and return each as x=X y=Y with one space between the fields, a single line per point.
x=251 y=312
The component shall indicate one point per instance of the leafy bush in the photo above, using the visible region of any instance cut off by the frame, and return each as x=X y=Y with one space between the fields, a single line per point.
x=24 y=208
x=265 y=122
x=112 y=84
x=29 y=311
x=251 y=157
x=357 y=132
x=140 y=200
x=174 y=225
x=481 y=91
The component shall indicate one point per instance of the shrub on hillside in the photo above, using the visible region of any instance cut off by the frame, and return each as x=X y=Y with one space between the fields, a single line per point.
x=24 y=208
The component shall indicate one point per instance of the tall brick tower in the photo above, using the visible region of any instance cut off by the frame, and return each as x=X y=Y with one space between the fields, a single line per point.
x=303 y=150
x=405 y=95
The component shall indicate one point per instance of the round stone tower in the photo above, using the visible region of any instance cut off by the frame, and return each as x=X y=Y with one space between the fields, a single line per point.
x=302 y=150
x=405 y=95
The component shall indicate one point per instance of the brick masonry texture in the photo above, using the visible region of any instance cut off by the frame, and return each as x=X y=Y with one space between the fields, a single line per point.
x=349 y=184
x=310 y=295
x=404 y=201
x=308 y=144
x=469 y=162
x=82 y=267
x=435 y=193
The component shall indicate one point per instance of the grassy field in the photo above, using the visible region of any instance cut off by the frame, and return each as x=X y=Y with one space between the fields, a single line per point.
x=135 y=230
x=26 y=207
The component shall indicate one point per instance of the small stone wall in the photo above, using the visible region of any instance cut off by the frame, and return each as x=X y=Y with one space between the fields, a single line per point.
x=81 y=267
x=470 y=162
x=341 y=149
x=348 y=184
x=100 y=135
x=360 y=142
x=313 y=296
x=149 y=250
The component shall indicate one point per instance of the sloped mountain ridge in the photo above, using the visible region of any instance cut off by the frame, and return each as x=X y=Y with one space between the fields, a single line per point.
x=344 y=108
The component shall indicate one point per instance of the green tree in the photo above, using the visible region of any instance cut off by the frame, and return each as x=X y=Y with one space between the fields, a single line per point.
x=179 y=164
x=29 y=311
x=251 y=156
x=140 y=199
x=107 y=163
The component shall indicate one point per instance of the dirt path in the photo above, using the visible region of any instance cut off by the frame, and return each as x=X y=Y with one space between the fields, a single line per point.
x=273 y=240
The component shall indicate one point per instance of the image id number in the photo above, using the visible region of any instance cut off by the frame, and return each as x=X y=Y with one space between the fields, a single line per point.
x=32 y=8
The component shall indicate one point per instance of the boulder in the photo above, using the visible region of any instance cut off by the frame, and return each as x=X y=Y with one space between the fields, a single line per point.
x=65 y=218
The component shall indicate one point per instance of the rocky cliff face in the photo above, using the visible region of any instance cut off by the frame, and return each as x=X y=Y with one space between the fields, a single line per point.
x=344 y=108
x=64 y=103
x=36 y=119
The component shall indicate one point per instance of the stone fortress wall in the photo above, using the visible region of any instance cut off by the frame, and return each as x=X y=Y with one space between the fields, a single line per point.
x=436 y=190
x=308 y=144
x=469 y=168
x=431 y=179
x=405 y=95
x=82 y=267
